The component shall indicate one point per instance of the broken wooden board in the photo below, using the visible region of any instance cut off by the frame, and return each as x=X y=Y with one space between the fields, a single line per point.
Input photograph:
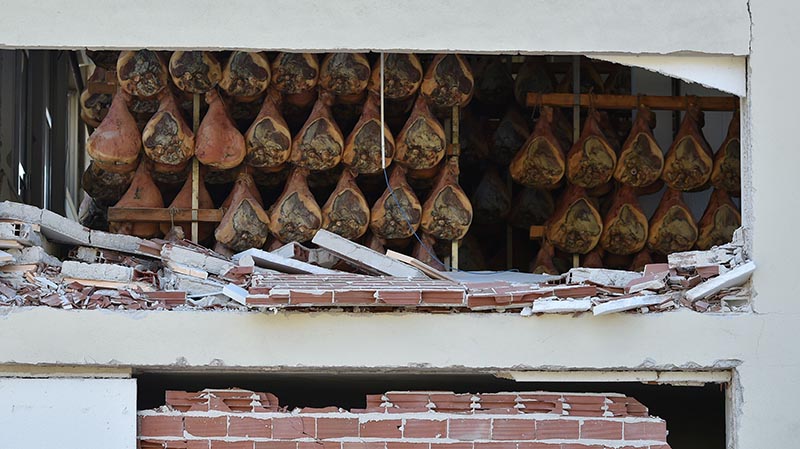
x=636 y=302
x=143 y=286
x=561 y=306
x=363 y=257
x=432 y=273
x=733 y=278
x=274 y=261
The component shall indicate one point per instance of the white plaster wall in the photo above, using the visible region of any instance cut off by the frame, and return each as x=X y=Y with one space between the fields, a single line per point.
x=236 y=340
x=67 y=413
x=710 y=26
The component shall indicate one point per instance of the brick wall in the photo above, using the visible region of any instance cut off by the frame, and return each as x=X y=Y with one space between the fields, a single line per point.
x=242 y=419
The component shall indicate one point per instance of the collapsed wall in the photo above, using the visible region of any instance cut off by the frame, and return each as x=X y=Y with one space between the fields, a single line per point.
x=242 y=419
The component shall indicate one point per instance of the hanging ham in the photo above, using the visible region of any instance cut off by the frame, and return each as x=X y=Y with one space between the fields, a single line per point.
x=167 y=138
x=184 y=201
x=344 y=74
x=543 y=264
x=375 y=243
x=245 y=225
x=448 y=81
x=594 y=259
x=625 y=225
x=106 y=59
x=142 y=193
x=141 y=73
x=319 y=144
x=493 y=82
x=346 y=212
x=268 y=139
x=688 y=163
x=491 y=199
x=641 y=160
x=421 y=142
x=362 y=150
x=424 y=252
x=591 y=161
x=94 y=106
x=295 y=216
x=726 y=173
x=402 y=76
x=447 y=213
x=540 y=162
x=115 y=143
x=575 y=226
x=532 y=76
x=672 y=227
x=531 y=207
x=105 y=187
x=195 y=72
x=397 y=213
x=295 y=73
x=510 y=135
x=640 y=260
x=246 y=75
x=719 y=221
x=218 y=143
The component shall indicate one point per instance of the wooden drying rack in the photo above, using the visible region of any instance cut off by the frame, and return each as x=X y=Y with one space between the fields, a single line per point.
x=194 y=215
x=607 y=101
x=577 y=100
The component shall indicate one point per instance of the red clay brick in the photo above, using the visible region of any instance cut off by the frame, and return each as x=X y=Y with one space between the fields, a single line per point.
x=198 y=444
x=337 y=427
x=495 y=445
x=405 y=445
x=363 y=445
x=201 y=426
x=513 y=429
x=216 y=444
x=557 y=429
x=162 y=444
x=294 y=427
x=276 y=445
x=161 y=426
x=249 y=427
x=319 y=445
x=451 y=445
x=389 y=428
x=470 y=429
x=601 y=429
x=646 y=431
x=425 y=428
x=582 y=446
x=531 y=445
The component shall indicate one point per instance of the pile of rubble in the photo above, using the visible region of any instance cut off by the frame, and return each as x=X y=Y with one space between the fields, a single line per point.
x=50 y=260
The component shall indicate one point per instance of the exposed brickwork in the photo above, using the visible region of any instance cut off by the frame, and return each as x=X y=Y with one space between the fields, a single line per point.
x=240 y=419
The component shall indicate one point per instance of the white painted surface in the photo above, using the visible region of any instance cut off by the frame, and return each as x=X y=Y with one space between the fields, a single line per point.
x=298 y=340
x=726 y=73
x=710 y=26
x=67 y=413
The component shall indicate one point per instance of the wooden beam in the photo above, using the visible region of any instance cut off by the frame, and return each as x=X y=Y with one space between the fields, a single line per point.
x=147 y=214
x=603 y=101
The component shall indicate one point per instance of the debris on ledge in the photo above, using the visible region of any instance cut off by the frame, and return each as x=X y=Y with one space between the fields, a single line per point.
x=49 y=260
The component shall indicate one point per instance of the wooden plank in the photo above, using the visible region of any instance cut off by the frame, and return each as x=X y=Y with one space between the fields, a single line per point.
x=536 y=232
x=660 y=102
x=433 y=273
x=195 y=168
x=162 y=215
x=365 y=258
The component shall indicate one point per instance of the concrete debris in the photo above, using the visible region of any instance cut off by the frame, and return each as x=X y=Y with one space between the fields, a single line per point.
x=363 y=257
x=103 y=270
x=600 y=276
x=96 y=271
x=281 y=263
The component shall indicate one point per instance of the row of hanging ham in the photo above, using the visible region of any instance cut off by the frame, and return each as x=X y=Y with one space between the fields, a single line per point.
x=540 y=163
